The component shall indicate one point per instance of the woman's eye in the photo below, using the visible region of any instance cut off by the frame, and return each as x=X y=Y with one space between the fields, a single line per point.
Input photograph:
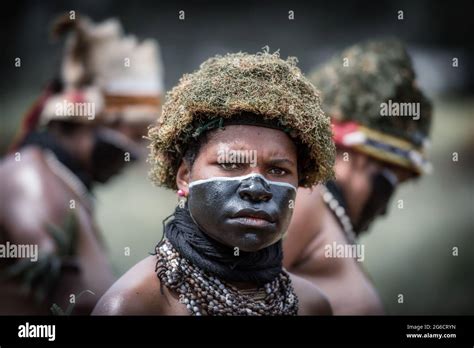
x=229 y=166
x=277 y=171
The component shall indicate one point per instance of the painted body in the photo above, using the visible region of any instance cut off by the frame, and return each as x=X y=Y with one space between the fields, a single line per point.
x=32 y=196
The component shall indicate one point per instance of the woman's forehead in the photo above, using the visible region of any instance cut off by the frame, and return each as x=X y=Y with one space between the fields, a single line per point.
x=251 y=137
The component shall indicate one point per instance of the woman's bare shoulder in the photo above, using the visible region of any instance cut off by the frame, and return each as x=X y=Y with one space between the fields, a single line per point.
x=138 y=292
x=311 y=299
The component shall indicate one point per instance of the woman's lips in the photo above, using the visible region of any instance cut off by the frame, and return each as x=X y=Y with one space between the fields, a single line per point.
x=253 y=217
x=252 y=221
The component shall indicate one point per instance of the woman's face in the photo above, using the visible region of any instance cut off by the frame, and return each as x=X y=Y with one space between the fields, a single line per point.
x=242 y=185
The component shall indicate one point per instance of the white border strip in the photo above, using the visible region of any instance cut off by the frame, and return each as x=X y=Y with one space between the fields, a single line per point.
x=240 y=178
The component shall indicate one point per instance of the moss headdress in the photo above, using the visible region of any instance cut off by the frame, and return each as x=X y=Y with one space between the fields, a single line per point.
x=224 y=88
x=356 y=83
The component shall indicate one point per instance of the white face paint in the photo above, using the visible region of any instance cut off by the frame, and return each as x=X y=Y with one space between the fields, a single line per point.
x=240 y=178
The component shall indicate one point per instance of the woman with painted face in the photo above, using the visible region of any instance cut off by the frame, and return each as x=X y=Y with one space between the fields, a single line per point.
x=235 y=140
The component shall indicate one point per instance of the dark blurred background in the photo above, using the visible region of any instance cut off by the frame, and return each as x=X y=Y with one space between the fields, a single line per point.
x=410 y=251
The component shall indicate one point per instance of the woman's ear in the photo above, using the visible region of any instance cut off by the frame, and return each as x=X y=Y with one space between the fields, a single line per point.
x=183 y=177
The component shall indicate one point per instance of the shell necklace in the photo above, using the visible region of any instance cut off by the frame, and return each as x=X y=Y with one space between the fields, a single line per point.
x=204 y=294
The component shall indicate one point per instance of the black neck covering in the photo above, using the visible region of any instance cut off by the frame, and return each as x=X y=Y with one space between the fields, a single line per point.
x=258 y=267
x=46 y=140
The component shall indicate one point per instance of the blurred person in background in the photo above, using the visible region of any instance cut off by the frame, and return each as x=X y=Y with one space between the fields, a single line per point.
x=381 y=122
x=85 y=128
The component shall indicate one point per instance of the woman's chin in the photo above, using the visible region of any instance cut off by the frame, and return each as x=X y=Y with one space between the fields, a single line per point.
x=251 y=237
x=254 y=241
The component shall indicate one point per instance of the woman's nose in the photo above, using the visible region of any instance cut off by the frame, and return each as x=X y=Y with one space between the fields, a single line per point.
x=255 y=189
